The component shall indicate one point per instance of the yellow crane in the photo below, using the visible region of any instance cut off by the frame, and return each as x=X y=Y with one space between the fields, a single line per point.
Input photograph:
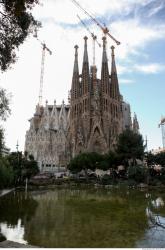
x=102 y=27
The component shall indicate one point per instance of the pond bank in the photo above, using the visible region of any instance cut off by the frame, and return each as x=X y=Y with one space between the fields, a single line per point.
x=12 y=244
x=62 y=184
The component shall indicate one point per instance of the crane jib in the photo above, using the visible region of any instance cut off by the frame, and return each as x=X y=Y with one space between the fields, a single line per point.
x=104 y=29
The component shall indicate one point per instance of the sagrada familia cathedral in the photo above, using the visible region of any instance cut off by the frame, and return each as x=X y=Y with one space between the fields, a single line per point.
x=91 y=122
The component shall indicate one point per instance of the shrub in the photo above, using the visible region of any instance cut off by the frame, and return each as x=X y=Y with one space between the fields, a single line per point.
x=137 y=173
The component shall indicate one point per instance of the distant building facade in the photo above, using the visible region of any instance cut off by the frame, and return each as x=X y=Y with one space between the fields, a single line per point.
x=46 y=138
x=92 y=121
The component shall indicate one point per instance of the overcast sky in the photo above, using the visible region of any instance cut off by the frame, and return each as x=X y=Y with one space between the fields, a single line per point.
x=140 y=27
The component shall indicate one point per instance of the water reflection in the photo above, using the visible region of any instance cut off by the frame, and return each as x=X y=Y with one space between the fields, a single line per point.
x=154 y=237
x=87 y=218
x=13 y=233
x=16 y=209
x=158 y=202
x=84 y=218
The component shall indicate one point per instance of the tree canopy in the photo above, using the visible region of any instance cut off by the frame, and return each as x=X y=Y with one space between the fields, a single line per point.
x=156 y=159
x=16 y=23
x=130 y=145
x=85 y=161
x=4 y=104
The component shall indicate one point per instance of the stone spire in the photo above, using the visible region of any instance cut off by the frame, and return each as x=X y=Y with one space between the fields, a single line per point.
x=46 y=110
x=135 y=124
x=104 y=69
x=54 y=117
x=63 y=116
x=46 y=116
x=85 y=69
x=114 y=89
x=75 y=77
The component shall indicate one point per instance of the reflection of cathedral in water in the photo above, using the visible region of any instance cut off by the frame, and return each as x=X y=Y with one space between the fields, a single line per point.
x=52 y=218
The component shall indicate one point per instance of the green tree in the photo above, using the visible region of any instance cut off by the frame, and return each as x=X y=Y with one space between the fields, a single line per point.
x=151 y=159
x=137 y=173
x=23 y=167
x=130 y=146
x=4 y=113
x=15 y=161
x=29 y=167
x=113 y=159
x=16 y=23
x=1 y=141
x=6 y=173
x=4 y=104
x=85 y=161
x=160 y=158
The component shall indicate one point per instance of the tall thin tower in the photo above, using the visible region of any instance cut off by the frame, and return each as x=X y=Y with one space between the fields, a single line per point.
x=162 y=125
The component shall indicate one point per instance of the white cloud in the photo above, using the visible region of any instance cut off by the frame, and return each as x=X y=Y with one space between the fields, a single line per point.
x=155 y=10
x=135 y=36
x=151 y=68
x=126 y=81
x=122 y=69
x=65 y=10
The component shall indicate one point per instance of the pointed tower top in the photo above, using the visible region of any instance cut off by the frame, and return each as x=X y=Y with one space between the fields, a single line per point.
x=37 y=112
x=85 y=59
x=113 y=69
x=104 y=41
x=46 y=111
x=104 y=57
x=76 y=48
x=135 y=124
x=54 y=102
x=75 y=69
x=113 y=48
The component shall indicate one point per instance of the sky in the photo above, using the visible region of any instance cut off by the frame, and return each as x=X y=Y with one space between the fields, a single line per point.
x=140 y=59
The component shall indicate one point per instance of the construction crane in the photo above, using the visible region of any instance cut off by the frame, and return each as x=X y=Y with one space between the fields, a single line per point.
x=44 y=49
x=93 y=36
x=102 y=27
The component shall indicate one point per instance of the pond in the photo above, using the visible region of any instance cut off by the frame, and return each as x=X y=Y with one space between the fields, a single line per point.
x=85 y=217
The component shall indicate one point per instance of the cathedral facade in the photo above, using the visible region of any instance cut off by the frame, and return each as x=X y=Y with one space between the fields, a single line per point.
x=46 y=137
x=96 y=106
x=91 y=122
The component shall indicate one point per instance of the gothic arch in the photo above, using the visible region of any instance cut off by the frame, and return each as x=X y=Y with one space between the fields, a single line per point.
x=97 y=142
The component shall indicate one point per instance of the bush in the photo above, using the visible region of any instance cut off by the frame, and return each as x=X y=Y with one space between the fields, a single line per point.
x=107 y=180
x=132 y=183
x=137 y=173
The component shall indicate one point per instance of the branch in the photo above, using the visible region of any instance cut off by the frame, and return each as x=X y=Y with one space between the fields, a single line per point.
x=6 y=16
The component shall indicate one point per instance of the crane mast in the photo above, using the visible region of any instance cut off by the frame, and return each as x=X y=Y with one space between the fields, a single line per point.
x=93 y=36
x=103 y=28
x=44 y=48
